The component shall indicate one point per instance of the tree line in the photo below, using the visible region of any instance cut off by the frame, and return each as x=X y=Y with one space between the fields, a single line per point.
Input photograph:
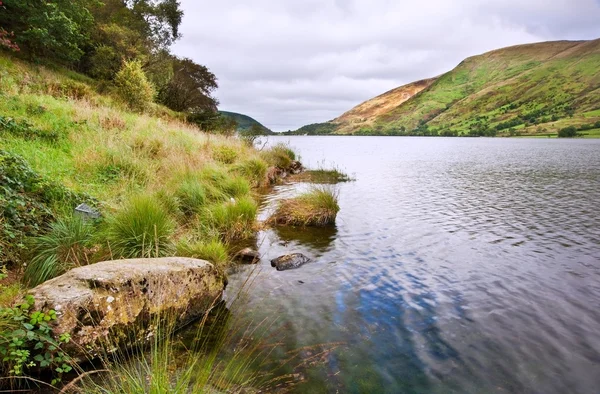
x=125 y=43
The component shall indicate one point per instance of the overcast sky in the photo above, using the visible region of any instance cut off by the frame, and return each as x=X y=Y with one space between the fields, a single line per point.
x=288 y=63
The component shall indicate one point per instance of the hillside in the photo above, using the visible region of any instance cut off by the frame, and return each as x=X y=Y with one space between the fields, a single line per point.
x=525 y=89
x=245 y=122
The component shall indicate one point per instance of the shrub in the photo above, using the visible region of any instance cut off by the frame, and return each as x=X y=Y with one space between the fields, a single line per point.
x=65 y=246
x=143 y=228
x=105 y=62
x=213 y=251
x=224 y=154
x=26 y=341
x=255 y=170
x=280 y=156
x=230 y=220
x=567 y=132
x=133 y=86
x=318 y=207
x=26 y=201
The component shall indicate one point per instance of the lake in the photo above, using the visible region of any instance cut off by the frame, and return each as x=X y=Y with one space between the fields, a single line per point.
x=456 y=265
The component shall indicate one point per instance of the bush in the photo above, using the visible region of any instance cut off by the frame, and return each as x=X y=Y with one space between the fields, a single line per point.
x=105 y=63
x=26 y=342
x=133 y=86
x=255 y=170
x=143 y=228
x=319 y=207
x=567 y=132
x=67 y=245
x=213 y=251
x=26 y=202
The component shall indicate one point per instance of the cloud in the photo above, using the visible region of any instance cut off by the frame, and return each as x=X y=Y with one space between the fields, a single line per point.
x=294 y=62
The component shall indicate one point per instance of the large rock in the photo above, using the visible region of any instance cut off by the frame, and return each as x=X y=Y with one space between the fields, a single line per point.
x=289 y=261
x=117 y=303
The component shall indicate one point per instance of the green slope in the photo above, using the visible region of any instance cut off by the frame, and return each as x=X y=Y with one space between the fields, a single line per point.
x=526 y=89
x=245 y=122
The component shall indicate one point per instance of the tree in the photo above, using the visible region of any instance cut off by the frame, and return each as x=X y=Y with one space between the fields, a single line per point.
x=190 y=89
x=568 y=132
x=56 y=29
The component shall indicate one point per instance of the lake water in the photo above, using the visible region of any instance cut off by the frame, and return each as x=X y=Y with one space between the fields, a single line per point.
x=456 y=265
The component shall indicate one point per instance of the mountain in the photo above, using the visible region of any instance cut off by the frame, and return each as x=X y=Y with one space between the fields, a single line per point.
x=245 y=122
x=524 y=89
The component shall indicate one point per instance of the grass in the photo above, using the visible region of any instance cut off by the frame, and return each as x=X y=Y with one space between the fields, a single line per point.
x=67 y=245
x=231 y=220
x=182 y=179
x=213 y=251
x=323 y=176
x=318 y=207
x=280 y=156
x=142 y=228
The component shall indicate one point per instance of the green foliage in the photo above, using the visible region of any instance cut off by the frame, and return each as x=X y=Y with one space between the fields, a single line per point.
x=213 y=251
x=22 y=129
x=133 y=86
x=255 y=170
x=142 y=228
x=567 y=132
x=190 y=90
x=26 y=201
x=280 y=156
x=315 y=129
x=105 y=62
x=66 y=245
x=251 y=135
x=26 y=341
x=318 y=207
x=56 y=30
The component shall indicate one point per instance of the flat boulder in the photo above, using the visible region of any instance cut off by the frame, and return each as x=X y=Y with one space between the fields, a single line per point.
x=115 y=304
x=289 y=261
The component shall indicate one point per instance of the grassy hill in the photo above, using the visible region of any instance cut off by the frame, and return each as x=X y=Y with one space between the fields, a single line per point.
x=534 y=89
x=245 y=122
x=63 y=143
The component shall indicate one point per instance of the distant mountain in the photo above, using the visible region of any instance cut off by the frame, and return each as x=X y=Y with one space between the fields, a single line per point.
x=525 y=89
x=245 y=122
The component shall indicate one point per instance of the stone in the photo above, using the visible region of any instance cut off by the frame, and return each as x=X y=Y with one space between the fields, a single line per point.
x=248 y=255
x=119 y=302
x=296 y=167
x=86 y=212
x=289 y=261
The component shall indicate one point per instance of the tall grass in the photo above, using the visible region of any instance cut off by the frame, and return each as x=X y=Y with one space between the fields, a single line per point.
x=213 y=251
x=280 y=156
x=230 y=220
x=318 y=207
x=143 y=228
x=65 y=246
x=255 y=170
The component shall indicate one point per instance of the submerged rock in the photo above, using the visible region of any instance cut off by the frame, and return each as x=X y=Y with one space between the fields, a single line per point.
x=248 y=255
x=289 y=261
x=118 y=303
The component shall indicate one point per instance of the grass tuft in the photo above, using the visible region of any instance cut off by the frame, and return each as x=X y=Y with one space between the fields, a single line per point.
x=318 y=207
x=67 y=245
x=280 y=155
x=255 y=170
x=230 y=220
x=143 y=228
x=213 y=251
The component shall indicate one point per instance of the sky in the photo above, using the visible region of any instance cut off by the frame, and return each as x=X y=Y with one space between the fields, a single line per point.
x=288 y=63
